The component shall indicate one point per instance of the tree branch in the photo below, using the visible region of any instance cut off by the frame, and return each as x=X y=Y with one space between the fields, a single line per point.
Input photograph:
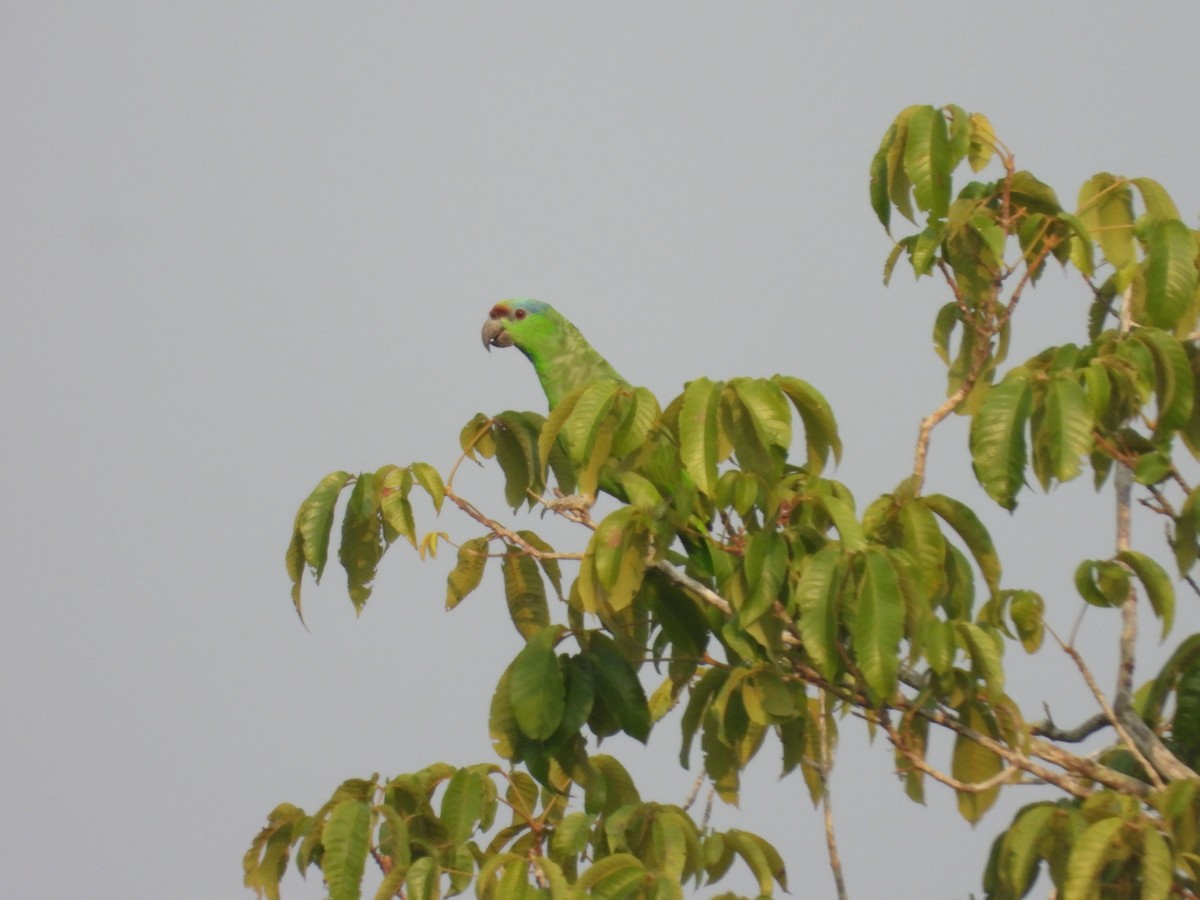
x=824 y=767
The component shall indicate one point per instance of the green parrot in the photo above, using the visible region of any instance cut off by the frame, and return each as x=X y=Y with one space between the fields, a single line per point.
x=561 y=356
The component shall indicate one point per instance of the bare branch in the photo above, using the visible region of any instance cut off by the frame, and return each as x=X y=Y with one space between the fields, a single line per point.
x=1107 y=709
x=507 y=534
x=1086 y=729
x=824 y=767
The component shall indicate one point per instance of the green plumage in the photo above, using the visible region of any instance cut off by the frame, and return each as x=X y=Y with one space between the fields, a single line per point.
x=561 y=356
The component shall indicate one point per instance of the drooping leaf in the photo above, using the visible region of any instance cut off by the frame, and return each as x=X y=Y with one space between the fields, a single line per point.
x=1102 y=583
x=468 y=573
x=1089 y=855
x=820 y=427
x=1171 y=277
x=698 y=432
x=525 y=593
x=1157 y=201
x=1064 y=430
x=462 y=804
x=878 y=624
x=1106 y=210
x=973 y=763
x=1157 y=583
x=314 y=521
x=998 y=452
x=927 y=160
x=985 y=656
x=362 y=541
x=549 y=565
x=345 y=838
x=536 y=686
x=765 y=565
x=618 y=685
x=966 y=524
x=1158 y=868
x=982 y=144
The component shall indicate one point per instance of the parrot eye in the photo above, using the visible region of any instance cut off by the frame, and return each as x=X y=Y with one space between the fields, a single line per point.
x=519 y=314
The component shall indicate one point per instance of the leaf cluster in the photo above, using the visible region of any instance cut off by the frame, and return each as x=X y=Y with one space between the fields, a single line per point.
x=435 y=832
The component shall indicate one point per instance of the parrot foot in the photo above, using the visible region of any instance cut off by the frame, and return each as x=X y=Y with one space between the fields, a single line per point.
x=572 y=506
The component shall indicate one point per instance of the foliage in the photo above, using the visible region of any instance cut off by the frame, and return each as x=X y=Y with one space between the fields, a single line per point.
x=765 y=602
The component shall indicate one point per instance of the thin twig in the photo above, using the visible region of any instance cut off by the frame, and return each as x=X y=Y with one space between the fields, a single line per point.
x=1109 y=713
x=1127 y=648
x=506 y=534
x=824 y=768
x=1084 y=730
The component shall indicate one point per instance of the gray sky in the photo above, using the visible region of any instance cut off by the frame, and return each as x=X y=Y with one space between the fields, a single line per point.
x=245 y=244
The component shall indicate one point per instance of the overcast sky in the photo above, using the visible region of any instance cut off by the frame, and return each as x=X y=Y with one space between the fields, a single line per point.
x=243 y=244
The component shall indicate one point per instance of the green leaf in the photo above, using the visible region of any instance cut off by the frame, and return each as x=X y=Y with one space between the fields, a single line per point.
x=549 y=566
x=362 y=542
x=1171 y=277
x=1021 y=847
x=1187 y=528
x=1102 y=583
x=1157 y=201
x=1158 y=868
x=767 y=407
x=428 y=478
x=844 y=520
x=618 y=686
x=314 y=522
x=615 y=876
x=518 y=459
x=765 y=565
x=1173 y=379
x=345 y=839
x=966 y=524
x=982 y=143
x=974 y=763
x=922 y=539
x=815 y=597
x=1106 y=210
x=820 y=427
x=1026 y=610
x=879 y=180
x=395 y=506
x=698 y=432
x=476 y=436
x=462 y=804
x=1064 y=430
x=702 y=693
x=266 y=861
x=1088 y=858
x=985 y=655
x=763 y=859
x=998 y=452
x=421 y=883
x=619 y=548
x=878 y=624
x=468 y=573
x=1035 y=196
x=641 y=412
x=536 y=686
x=899 y=186
x=1159 y=590
x=582 y=428
x=525 y=593
x=571 y=835
x=927 y=160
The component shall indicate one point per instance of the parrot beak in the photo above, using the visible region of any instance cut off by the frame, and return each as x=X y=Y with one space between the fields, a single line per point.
x=494 y=334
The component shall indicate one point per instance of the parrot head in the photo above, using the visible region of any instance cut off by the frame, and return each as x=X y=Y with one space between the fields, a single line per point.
x=524 y=324
x=561 y=356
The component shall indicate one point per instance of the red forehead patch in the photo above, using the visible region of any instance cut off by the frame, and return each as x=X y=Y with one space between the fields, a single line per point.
x=499 y=311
